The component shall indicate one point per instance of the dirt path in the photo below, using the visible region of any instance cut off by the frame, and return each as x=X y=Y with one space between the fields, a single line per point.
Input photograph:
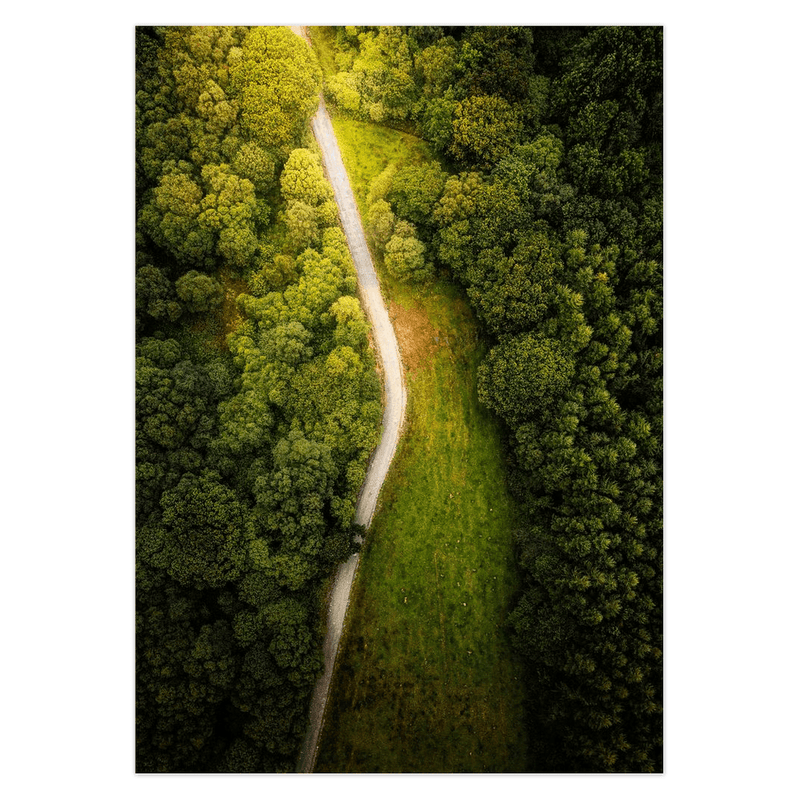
x=394 y=410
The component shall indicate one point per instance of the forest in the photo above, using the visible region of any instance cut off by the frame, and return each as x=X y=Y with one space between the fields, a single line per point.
x=257 y=399
x=258 y=402
x=546 y=206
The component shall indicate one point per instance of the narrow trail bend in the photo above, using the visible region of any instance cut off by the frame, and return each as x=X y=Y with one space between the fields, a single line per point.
x=394 y=410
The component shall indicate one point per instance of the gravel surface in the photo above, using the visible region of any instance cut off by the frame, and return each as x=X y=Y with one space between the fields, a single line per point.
x=394 y=410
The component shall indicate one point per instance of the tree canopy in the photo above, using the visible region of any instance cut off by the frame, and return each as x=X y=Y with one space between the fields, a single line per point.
x=254 y=418
x=546 y=205
x=275 y=79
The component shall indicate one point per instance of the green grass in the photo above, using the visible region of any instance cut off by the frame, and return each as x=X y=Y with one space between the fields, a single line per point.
x=426 y=680
x=367 y=149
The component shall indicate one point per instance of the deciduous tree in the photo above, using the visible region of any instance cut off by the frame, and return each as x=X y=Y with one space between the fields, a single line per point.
x=303 y=180
x=415 y=190
x=276 y=83
x=523 y=376
x=485 y=128
x=199 y=292
x=172 y=219
x=405 y=255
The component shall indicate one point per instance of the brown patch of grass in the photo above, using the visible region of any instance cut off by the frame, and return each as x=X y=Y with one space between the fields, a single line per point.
x=419 y=341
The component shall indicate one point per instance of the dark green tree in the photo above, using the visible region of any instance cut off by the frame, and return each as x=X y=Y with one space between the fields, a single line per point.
x=172 y=218
x=485 y=128
x=199 y=292
x=523 y=376
x=202 y=538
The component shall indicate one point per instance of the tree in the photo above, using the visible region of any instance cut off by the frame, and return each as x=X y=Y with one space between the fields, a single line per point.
x=523 y=376
x=276 y=82
x=162 y=141
x=218 y=112
x=436 y=125
x=381 y=184
x=338 y=403
x=174 y=713
x=310 y=198
x=532 y=171
x=437 y=62
x=459 y=199
x=415 y=190
x=202 y=539
x=303 y=180
x=485 y=128
x=229 y=211
x=155 y=294
x=171 y=219
x=611 y=92
x=287 y=344
x=405 y=255
x=292 y=502
x=321 y=282
x=335 y=400
x=254 y=163
x=172 y=395
x=199 y=292
x=273 y=274
x=352 y=328
x=344 y=91
x=380 y=224
x=497 y=59
x=302 y=222
x=514 y=293
x=383 y=74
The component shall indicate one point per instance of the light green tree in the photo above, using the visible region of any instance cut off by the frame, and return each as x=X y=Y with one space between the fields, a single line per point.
x=344 y=88
x=381 y=184
x=303 y=180
x=351 y=325
x=405 y=255
x=380 y=224
x=276 y=82
x=302 y=222
x=229 y=211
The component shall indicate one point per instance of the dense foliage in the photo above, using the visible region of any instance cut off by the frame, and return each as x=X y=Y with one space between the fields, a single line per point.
x=250 y=447
x=550 y=215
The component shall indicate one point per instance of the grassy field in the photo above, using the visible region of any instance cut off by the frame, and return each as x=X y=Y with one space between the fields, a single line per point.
x=426 y=680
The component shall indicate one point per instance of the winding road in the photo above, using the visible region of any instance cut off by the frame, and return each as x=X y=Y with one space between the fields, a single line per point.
x=394 y=410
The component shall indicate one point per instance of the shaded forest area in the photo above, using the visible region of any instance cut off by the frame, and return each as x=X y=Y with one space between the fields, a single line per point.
x=546 y=205
x=257 y=399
